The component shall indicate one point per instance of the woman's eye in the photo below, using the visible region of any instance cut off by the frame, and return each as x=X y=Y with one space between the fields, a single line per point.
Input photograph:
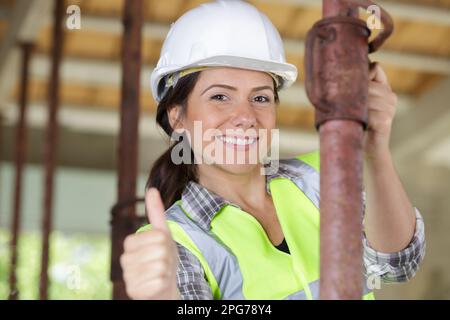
x=261 y=99
x=219 y=97
x=222 y=97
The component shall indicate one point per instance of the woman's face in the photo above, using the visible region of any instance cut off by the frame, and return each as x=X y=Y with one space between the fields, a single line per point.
x=230 y=117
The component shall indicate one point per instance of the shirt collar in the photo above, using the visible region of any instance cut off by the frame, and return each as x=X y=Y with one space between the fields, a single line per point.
x=202 y=204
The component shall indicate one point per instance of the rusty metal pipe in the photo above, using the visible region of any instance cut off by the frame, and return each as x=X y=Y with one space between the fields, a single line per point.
x=333 y=8
x=1 y=161
x=336 y=81
x=20 y=154
x=341 y=210
x=51 y=140
x=123 y=221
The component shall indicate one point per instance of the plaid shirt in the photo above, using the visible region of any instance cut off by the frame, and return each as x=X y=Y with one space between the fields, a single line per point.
x=202 y=205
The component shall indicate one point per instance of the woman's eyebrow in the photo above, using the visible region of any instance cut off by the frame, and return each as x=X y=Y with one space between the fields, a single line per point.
x=263 y=88
x=221 y=86
x=234 y=88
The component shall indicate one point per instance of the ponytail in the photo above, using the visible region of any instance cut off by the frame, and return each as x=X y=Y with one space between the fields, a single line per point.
x=170 y=178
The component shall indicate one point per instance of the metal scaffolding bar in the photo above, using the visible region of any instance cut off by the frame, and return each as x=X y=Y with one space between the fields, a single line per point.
x=337 y=69
x=1 y=162
x=123 y=221
x=51 y=141
x=20 y=155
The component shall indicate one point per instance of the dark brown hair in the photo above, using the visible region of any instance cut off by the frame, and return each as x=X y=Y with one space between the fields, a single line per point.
x=170 y=178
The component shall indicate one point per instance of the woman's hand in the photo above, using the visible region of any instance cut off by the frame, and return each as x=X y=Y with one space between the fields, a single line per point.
x=150 y=260
x=382 y=104
x=390 y=217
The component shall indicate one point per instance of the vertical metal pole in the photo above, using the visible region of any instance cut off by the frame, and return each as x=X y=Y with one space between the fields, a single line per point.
x=20 y=154
x=51 y=143
x=336 y=81
x=123 y=221
x=341 y=197
x=333 y=8
x=341 y=210
x=1 y=163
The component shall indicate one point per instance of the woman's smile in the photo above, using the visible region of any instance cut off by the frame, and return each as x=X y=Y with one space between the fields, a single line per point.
x=238 y=142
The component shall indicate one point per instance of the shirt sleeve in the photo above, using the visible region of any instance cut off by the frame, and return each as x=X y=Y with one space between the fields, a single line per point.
x=398 y=266
x=191 y=281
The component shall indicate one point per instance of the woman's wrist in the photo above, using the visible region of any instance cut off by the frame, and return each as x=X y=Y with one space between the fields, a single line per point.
x=379 y=157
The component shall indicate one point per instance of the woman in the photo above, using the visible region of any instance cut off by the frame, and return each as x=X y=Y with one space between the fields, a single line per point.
x=231 y=232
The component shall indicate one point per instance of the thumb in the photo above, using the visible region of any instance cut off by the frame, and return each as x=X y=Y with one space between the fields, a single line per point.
x=155 y=210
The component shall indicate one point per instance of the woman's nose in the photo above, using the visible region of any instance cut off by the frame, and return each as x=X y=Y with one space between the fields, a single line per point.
x=244 y=116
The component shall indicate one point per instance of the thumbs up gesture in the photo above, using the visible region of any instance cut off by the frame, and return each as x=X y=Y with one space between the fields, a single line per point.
x=150 y=258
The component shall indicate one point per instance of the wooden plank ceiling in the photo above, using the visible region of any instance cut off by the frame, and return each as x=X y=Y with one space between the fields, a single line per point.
x=292 y=20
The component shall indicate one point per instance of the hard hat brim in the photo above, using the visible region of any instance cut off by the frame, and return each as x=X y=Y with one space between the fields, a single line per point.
x=286 y=71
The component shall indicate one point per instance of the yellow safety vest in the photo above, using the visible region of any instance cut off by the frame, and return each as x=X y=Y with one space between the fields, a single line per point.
x=239 y=260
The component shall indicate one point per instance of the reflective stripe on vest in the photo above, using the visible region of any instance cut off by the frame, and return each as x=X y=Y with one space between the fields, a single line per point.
x=220 y=261
x=222 y=270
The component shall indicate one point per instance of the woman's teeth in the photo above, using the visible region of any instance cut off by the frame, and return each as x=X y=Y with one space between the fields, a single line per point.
x=237 y=141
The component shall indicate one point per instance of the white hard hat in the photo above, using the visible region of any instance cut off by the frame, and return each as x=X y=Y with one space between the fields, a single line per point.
x=225 y=33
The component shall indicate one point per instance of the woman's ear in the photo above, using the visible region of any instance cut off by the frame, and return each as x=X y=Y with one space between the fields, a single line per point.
x=174 y=115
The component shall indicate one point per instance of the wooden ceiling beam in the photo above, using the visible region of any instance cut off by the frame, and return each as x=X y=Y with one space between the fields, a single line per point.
x=104 y=45
x=107 y=97
x=294 y=18
x=424 y=11
x=294 y=47
x=103 y=72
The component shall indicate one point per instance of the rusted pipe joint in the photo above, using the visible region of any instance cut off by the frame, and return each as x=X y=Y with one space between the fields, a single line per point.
x=337 y=69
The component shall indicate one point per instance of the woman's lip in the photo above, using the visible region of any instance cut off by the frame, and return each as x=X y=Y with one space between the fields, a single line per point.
x=235 y=138
x=238 y=146
x=238 y=137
